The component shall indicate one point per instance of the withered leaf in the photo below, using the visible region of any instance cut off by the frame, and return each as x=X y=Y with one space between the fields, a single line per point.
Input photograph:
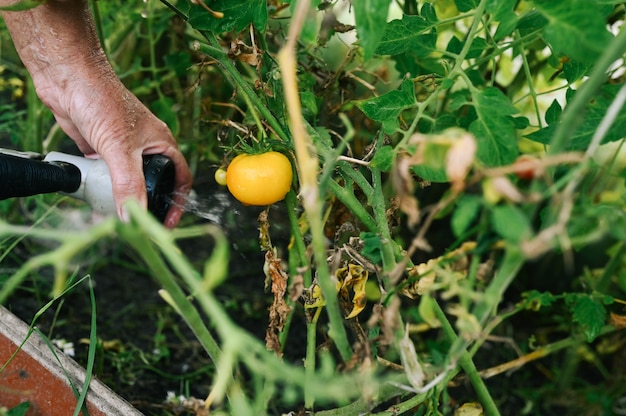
x=618 y=321
x=279 y=309
x=403 y=182
x=352 y=280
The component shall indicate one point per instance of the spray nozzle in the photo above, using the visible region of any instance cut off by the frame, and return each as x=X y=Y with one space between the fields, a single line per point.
x=22 y=174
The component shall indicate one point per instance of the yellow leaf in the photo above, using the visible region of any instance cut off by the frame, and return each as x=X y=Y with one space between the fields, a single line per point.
x=316 y=299
x=469 y=409
x=353 y=277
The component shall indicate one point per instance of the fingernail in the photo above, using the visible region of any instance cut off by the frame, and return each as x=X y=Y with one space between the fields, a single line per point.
x=173 y=218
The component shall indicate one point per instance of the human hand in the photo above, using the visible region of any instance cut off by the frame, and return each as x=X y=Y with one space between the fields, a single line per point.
x=72 y=76
x=108 y=121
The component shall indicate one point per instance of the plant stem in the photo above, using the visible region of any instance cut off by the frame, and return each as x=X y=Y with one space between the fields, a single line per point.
x=297 y=239
x=611 y=268
x=465 y=361
x=353 y=204
x=457 y=70
x=214 y=50
x=511 y=263
x=34 y=119
x=346 y=169
x=378 y=203
x=308 y=165
x=136 y=237
x=509 y=267
x=310 y=361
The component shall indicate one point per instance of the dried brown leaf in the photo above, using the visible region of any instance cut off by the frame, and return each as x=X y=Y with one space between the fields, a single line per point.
x=279 y=309
x=265 y=242
x=618 y=321
x=404 y=184
x=297 y=288
x=390 y=323
x=244 y=53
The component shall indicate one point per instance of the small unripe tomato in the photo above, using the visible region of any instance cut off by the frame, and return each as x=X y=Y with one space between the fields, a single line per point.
x=259 y=179
x=220 y=177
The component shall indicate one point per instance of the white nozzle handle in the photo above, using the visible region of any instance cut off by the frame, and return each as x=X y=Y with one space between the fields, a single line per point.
x=95 y=185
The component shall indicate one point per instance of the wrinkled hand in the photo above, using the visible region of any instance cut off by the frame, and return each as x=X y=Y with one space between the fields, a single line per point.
x=106 y=120
x=72 y=76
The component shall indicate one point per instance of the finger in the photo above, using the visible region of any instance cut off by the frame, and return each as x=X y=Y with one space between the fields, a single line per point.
x=182 y=187
x=127 y=180
x=74 y=133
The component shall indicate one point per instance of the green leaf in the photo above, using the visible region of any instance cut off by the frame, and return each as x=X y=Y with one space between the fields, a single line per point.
x=466 y=5
x=403 y=35
x=553 y=112
x=500 y=9
x=468 y=207
x=19 y=410
x=309 y=34
x=494 y=129
x=531 y=22
x=389 y=105
x=22 y=5
x=370 y=16
x=613 y=219
x=426 y=310
x=309 y=101
x=428 y=12
x=476 y=49
x=576 y=28
x=574 y=70
x=596 y=111
x=503 y=11
x=588 y=312
x=433 y=164
x=520 y=123
x=237 y=15
x=430 y=173
x=372 y=247
x=534 y=300
x=383 y=158
x=511 y=223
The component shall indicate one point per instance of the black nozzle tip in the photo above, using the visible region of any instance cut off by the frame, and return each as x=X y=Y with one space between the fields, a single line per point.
x=160 y=180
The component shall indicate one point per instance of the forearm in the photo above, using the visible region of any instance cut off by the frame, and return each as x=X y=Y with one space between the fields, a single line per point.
x=56 y=41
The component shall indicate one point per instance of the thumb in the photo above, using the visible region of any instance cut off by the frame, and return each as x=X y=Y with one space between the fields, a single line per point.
x=127 y=180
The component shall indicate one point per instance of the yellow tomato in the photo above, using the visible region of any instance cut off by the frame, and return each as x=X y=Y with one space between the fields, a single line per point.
x=220 y=176
x=259 y=179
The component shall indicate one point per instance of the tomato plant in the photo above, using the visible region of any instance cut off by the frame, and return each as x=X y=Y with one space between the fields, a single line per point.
x=260 y=179
x=409 y=121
